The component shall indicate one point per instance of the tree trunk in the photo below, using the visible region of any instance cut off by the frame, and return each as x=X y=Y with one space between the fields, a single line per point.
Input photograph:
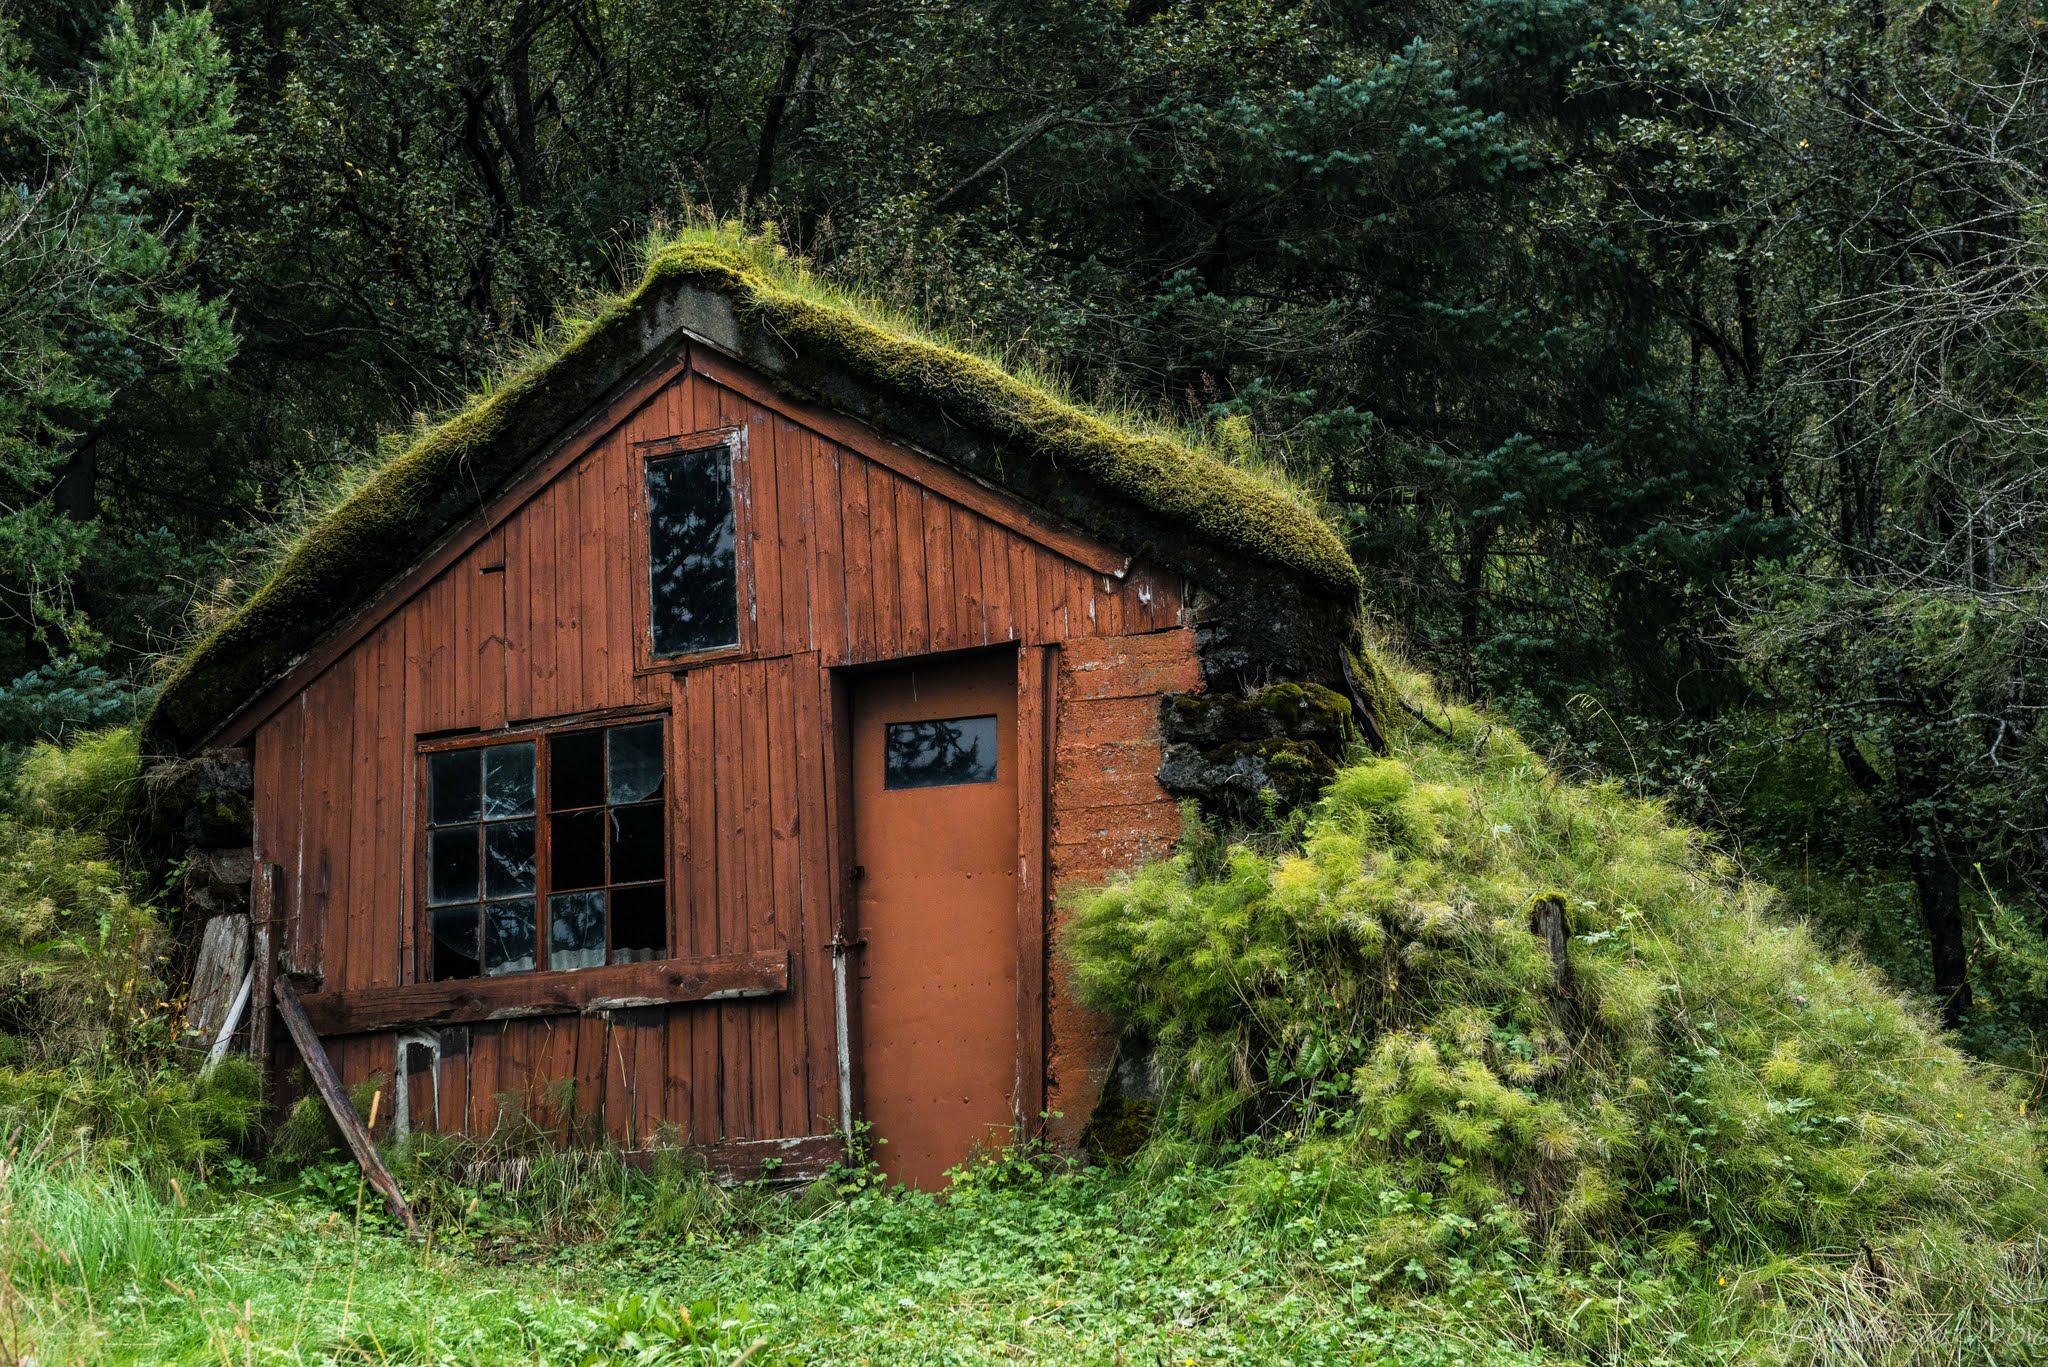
x=1941 y=910
x=76 y=494
x=1936 y=885
x=795 y=70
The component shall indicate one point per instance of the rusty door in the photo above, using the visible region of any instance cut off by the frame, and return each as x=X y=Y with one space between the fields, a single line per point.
x=935 y=846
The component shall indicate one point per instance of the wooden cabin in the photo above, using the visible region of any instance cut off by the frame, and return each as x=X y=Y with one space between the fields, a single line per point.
x=688 y=744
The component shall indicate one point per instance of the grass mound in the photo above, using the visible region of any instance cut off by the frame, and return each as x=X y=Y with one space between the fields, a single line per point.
x=1702 y=1075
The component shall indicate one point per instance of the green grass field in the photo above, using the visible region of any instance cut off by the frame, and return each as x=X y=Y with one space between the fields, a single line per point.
x=1264 y=1259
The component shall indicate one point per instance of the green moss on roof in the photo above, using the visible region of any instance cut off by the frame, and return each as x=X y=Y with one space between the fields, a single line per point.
x=1216 y=501
x=344 y=558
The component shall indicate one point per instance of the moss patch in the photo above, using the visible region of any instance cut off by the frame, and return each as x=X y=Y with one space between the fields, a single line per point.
x=1228 y=748
x=1119 y=1128
x=344 y=558
x=1216 y=501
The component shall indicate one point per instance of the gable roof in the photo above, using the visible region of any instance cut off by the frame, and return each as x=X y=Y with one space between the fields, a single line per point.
x=1135 y=489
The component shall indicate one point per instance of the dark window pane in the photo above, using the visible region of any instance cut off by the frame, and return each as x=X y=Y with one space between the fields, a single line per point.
x=452 y=787
x=934 y=754
x=451 y=865
x=635 y=753
x=508 y=937
x=693 y=587
x=576 y=770
x=576 y=930
x=508 y=781
x=454 y=933
x=636 y=843
x=576 y=850
x=508 y=858
x=639 y=923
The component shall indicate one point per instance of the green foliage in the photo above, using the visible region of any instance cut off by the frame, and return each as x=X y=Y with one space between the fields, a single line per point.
x=149 y=1121
x=1707 y=1072
x=51 y=701
x=88 y=785
x=96 y=296
x=647 y=1329
x=1306 y=1253
x=78 y=954
x=90 y=1059
x=66 y=1224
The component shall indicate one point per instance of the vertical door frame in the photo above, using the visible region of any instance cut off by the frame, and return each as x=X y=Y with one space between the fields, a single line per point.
x=1037 y=706
x=847 y=935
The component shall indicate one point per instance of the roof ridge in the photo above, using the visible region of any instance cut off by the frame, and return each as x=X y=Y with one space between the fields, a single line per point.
x=355 y=550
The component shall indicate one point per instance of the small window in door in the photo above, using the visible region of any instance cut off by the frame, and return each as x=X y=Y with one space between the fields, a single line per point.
x=692 y=570
x=939 y=753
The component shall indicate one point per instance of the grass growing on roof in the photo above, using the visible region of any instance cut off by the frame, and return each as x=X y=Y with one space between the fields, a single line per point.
x=1709 y=1075
x=1152 y=465
x=394 y=509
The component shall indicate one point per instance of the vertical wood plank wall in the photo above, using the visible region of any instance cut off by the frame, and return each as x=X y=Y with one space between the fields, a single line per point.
x=843 y=561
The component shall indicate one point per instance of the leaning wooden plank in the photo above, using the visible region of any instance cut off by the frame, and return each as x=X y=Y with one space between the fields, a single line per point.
x=587 y=991
x=217 y=973
x=331 y=1091
x=233 y=1020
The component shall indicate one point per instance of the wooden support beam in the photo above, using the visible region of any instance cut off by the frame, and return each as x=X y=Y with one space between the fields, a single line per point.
x=583 y=991
x=266 y=903
x=338 y=1105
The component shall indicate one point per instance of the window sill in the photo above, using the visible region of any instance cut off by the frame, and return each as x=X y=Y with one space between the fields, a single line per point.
x=587 y=992
x=696 y=659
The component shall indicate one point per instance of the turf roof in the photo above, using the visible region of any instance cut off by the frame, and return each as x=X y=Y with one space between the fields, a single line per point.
x=344 y=560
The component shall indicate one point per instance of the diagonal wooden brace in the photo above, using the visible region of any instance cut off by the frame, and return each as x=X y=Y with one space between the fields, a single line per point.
x=332 y=1092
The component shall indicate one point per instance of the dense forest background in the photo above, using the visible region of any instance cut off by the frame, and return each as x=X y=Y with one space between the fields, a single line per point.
x=1676 y=369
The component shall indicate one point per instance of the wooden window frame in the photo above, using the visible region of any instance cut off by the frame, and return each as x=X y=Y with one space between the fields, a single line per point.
x=539 y=733
x=733 y=440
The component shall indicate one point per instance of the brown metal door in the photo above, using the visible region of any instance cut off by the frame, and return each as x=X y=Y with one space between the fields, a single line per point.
x=935 y=840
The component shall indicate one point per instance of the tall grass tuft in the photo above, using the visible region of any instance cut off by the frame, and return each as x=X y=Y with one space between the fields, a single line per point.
x=67 y=1224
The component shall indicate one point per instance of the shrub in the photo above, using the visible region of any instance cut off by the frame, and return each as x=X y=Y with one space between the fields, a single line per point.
x=145 y=1121
x=1704 y=1072
x=86 y=785
x=77 y=952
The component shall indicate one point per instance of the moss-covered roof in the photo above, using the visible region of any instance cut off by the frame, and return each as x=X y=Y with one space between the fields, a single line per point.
x=1100 y=472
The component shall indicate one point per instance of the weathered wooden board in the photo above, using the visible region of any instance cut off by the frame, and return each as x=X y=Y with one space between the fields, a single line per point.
x=335 y=1094
x=588 y=991
x=217 y=974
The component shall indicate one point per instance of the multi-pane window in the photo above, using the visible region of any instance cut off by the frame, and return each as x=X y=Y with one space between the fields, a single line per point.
x=547 y=853
x=692 y=572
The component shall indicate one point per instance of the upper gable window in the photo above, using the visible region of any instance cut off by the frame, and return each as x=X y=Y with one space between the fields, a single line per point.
x=547 y=852
x=692 y=572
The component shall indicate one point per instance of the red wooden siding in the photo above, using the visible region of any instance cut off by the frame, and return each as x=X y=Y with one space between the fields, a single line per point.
x=843 y=560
